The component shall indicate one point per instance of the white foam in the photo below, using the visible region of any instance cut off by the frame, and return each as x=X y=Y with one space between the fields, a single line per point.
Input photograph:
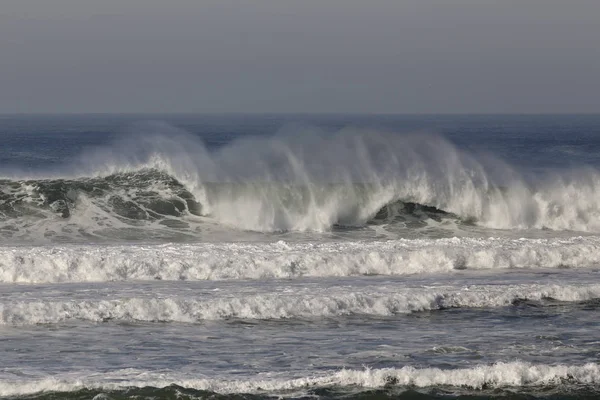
x=23 y=264
x=419 y=168
x=422 y=168
x=511 y=374
x=298 y=302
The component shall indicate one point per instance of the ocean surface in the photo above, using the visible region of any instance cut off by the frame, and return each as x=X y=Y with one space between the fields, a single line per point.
x=299 y=256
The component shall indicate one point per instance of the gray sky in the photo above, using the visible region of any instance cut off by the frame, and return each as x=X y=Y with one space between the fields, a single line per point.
x=367 y=56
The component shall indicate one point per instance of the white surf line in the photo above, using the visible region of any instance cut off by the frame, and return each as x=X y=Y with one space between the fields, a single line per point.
x=509 y=374
x=316 y=302
x=45 y=264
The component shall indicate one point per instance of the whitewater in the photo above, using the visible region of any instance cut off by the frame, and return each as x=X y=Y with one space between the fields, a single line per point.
x=294 y=256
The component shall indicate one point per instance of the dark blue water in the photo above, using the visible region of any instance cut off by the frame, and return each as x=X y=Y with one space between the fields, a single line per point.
x=534 y=141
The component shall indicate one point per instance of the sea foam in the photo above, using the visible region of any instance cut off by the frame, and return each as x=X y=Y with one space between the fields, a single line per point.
x=322 y=302
x=311 y=181
x=510 y=374
x=218 y=261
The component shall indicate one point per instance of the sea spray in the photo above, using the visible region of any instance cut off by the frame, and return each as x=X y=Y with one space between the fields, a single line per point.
x=303 y=181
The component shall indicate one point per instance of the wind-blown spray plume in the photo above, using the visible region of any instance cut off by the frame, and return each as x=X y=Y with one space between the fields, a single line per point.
x=299 y=180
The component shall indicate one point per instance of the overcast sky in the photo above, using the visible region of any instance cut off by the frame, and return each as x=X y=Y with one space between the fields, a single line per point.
x=365 y=56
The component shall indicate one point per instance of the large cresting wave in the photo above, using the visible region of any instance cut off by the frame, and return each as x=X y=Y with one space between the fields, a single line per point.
x=300 y=180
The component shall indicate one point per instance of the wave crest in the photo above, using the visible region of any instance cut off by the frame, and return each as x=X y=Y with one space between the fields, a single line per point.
x=313 y=181
x=516 y=374
x=258 y=305
x=289 y=260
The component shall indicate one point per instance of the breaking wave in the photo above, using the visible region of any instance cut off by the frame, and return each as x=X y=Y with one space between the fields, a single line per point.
x=317 y=303
x=153 y=195
x=222 y=261
x=299 y=181
x=516 y=374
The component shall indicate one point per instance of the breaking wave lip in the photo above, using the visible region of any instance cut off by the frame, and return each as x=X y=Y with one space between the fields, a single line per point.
x=328 y=303
x=143 y=194
x=226 y=261
x=150 y=195
x=516 y=374
x=309 y=180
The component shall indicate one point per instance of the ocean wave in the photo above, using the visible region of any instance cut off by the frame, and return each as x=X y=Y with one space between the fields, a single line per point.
x=144 y=194
x=289 y=304
x=514 y=374
x=305 y=181
x=151 y=195
x=220 y=261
